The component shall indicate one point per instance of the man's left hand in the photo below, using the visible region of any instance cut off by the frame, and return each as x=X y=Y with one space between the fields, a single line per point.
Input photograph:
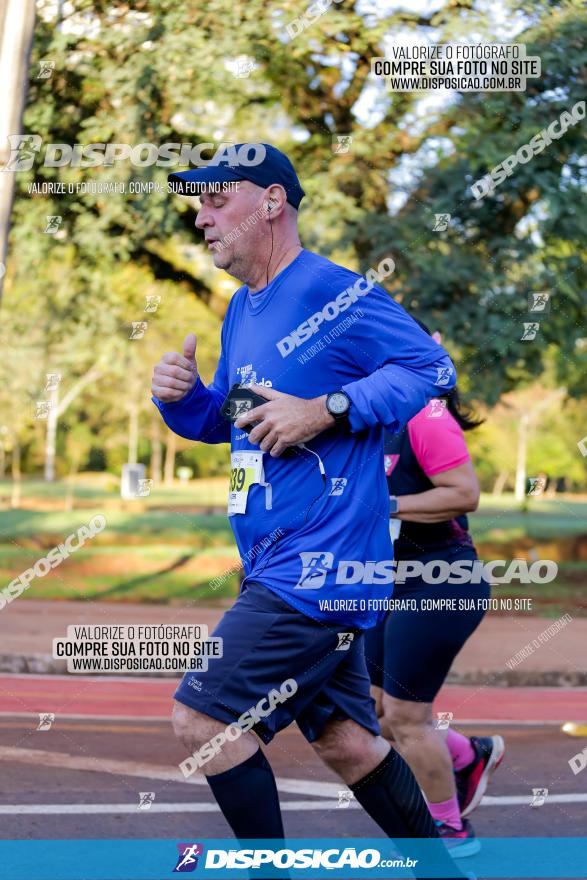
x=285 y=420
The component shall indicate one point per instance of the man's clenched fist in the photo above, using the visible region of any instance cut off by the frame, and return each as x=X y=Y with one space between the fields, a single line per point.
x=176 y=374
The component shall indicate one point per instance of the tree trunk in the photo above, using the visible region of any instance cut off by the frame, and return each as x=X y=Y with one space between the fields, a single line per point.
x=17 y=24
x=133 y=433
x=500 y=482
x=521 y=461
x=15 y=466
x=51 y=438
x=156 y=449
x=170 y=458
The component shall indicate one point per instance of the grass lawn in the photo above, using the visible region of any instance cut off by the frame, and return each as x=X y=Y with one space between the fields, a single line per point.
x=97 y=487
x=565 y=593
x=165 y=548
x=45 y=528
x=500 y=519
x=158 y=572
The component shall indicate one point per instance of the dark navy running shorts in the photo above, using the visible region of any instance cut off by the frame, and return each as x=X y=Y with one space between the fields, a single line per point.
x=409 y=654
x=266 y=642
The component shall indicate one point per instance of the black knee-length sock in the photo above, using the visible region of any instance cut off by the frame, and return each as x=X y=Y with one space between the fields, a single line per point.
x=247 y=796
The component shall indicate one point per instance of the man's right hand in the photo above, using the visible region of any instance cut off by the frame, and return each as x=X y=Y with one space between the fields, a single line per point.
x=176 y=374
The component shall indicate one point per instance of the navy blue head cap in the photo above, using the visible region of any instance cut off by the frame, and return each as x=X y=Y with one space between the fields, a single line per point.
x=262 y=164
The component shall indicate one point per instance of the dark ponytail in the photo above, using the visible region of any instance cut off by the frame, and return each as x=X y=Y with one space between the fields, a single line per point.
x=463 y=416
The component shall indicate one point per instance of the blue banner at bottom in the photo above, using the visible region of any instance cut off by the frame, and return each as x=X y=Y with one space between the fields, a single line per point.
x=303 y=858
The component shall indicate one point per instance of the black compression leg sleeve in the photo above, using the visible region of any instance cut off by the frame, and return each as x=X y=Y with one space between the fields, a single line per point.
x=247 y=796
x=392 y=797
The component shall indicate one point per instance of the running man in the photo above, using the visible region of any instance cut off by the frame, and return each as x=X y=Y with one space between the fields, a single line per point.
x=432 y=487
x=371 y=367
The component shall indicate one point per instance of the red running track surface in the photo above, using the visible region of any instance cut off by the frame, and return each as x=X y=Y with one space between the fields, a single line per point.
x=140 y=698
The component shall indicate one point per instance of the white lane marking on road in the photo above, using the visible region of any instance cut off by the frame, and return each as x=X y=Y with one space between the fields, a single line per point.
x=306 y=787
x=66 y=761
x=291 y=806
x=511 y=800
x=79 y=809
x=313 y=788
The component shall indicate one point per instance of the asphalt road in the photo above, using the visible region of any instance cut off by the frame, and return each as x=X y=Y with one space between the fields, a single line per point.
x=111 y=740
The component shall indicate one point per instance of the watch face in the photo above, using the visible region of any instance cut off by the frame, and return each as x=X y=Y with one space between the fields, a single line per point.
x=338 y=403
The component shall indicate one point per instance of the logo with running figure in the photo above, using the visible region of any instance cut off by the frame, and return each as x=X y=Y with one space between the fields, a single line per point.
x=539 y=302
x=338 y=485
x=23 y=148
x=441 y=222
x=436 y=408
x=530 y=330
x=344 y=799
x=187 y=859
x=539 y=796
x=389 y=462
x=315 y=567
x=444 y=719
x=146 y=799
x=248 y=376
x=443 y=375
x=46 y=719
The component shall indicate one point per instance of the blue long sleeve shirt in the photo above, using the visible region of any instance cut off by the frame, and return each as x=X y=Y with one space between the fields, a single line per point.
x=319 y=540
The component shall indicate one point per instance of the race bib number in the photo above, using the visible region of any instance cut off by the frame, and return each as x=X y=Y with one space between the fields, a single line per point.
x=394 y=528
x=246 y=469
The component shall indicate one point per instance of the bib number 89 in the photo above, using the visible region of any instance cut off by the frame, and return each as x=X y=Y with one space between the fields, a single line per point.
x=237 y=479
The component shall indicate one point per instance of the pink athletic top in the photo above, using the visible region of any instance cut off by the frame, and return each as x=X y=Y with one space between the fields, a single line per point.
x=431 y=442
x=437 y=440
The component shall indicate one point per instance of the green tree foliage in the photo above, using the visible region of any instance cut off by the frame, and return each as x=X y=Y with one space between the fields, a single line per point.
x=474 y=280
x=158 y=71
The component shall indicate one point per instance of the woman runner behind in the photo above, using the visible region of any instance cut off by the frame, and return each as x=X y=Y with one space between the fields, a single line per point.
x=432 y=485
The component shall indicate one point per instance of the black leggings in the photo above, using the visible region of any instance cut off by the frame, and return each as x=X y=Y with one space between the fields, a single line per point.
x=409 y=654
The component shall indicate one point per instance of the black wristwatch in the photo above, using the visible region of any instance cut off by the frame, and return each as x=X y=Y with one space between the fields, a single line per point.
x=338 y=405
x=393 y=504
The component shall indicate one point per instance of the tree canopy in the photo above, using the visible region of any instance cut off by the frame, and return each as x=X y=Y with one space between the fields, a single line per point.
x=156 y=71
